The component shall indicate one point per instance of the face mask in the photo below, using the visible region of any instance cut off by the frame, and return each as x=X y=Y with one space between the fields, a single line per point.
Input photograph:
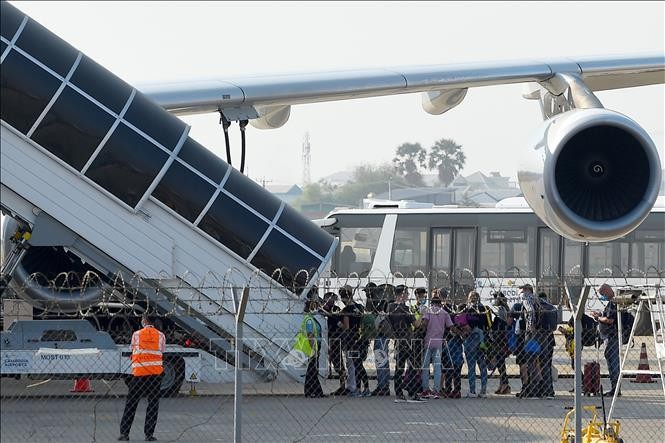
x=423 y=301
x=603 y=298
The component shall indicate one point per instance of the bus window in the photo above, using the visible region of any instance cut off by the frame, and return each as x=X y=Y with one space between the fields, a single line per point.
x=409 y=254
x=441 y=247
x=463 y=278
x=441 y=250
x=357 y=247
x=506 y=252
x=548 y=264
x=548 y=261
x=572 y=258
x=648 y=253
x=609 y=259
x=465 y=252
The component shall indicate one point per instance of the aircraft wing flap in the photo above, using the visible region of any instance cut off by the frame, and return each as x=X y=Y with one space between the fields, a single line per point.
x=602 y=74
x=428 y=78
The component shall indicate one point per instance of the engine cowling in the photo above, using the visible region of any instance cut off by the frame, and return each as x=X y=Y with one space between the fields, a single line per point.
x=591 y=174
x=51 y=278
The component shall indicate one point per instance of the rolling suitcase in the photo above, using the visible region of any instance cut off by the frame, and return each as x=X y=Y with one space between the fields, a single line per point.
x=591 y=378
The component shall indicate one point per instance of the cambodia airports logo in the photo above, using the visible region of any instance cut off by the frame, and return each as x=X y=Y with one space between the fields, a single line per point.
x=11 y=362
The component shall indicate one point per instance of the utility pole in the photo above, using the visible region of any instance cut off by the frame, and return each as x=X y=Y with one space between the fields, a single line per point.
x=306 y=160
x=263 y=181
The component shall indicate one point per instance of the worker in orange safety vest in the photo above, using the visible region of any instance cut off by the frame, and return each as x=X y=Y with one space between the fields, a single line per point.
x=147 y=350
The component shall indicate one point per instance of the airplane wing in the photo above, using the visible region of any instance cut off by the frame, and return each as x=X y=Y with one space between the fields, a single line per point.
x=254 y=97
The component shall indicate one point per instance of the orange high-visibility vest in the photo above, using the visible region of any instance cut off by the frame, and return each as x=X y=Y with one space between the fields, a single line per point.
x=147 y=348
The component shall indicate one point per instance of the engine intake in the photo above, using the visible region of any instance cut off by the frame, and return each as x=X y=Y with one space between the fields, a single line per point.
x=591 y=175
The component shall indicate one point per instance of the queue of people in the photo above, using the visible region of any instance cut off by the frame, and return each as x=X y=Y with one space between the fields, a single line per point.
x=433 y=338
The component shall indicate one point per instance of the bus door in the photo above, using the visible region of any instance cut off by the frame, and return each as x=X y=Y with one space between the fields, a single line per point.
x=453 y=260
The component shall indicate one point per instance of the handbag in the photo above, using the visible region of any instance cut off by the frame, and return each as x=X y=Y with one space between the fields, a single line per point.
x=532 y=346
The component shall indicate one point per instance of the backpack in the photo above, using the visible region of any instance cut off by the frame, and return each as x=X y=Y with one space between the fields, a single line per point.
x=589 y=331
x=547 y=316
x=384 y=327
x=627 y=321
x=318 y=329
x=368 y=327
x=302 y=341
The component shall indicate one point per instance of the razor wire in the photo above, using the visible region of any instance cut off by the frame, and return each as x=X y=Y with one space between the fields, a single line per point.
x=196 y=389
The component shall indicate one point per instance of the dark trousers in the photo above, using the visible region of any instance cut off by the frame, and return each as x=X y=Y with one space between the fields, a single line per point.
x=335 y=357
x=546 y=356
x=417 y=353
x=361 y=373
x=402 y=357
x=453 y=381
x=147 y=386
x=612 y=359
x=312 y=383
x=534 y=380
x=503 y=373
x=452 y=366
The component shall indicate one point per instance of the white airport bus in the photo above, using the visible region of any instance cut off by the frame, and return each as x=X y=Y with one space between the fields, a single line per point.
x=489 y=249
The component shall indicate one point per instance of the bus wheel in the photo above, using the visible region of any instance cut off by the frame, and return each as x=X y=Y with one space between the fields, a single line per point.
x=173 y=377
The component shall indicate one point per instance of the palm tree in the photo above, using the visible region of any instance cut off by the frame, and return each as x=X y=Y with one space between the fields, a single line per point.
x=408 y=157
x=447 y=158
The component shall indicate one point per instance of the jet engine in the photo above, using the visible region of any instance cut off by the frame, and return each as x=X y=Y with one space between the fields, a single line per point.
x=51 y=278
x=591 y=174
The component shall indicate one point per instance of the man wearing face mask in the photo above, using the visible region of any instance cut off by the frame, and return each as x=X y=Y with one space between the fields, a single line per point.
x=607 y=327
x=147 y=349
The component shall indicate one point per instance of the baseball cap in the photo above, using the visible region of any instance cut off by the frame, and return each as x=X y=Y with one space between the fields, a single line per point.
x=399 y=289
x=369 y=287
x=527 y=286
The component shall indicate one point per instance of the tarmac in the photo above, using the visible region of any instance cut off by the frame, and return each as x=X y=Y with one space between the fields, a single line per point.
x=45 y=411
x=270 y=413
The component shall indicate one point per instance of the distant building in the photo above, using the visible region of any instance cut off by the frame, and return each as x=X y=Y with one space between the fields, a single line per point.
x=476 y=189
x=436 y=196
x=483 y=190
x=338 y=178
x=317 y=210
x=288 y=193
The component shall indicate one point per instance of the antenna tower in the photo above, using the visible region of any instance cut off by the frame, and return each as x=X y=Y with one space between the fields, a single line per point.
x=306 y=161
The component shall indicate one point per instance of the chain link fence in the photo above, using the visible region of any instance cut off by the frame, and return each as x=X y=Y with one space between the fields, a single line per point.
x=342 y=362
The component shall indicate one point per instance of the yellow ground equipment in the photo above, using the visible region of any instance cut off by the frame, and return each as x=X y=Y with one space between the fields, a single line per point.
x=595 y=432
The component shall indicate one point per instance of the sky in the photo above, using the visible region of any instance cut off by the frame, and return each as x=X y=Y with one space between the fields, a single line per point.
x=151 y=42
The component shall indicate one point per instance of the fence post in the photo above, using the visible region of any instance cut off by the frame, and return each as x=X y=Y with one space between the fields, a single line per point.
x=240 y=306
x=579 y=312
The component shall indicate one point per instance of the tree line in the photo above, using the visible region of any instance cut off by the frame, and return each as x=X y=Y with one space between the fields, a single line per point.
x=406 y=170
